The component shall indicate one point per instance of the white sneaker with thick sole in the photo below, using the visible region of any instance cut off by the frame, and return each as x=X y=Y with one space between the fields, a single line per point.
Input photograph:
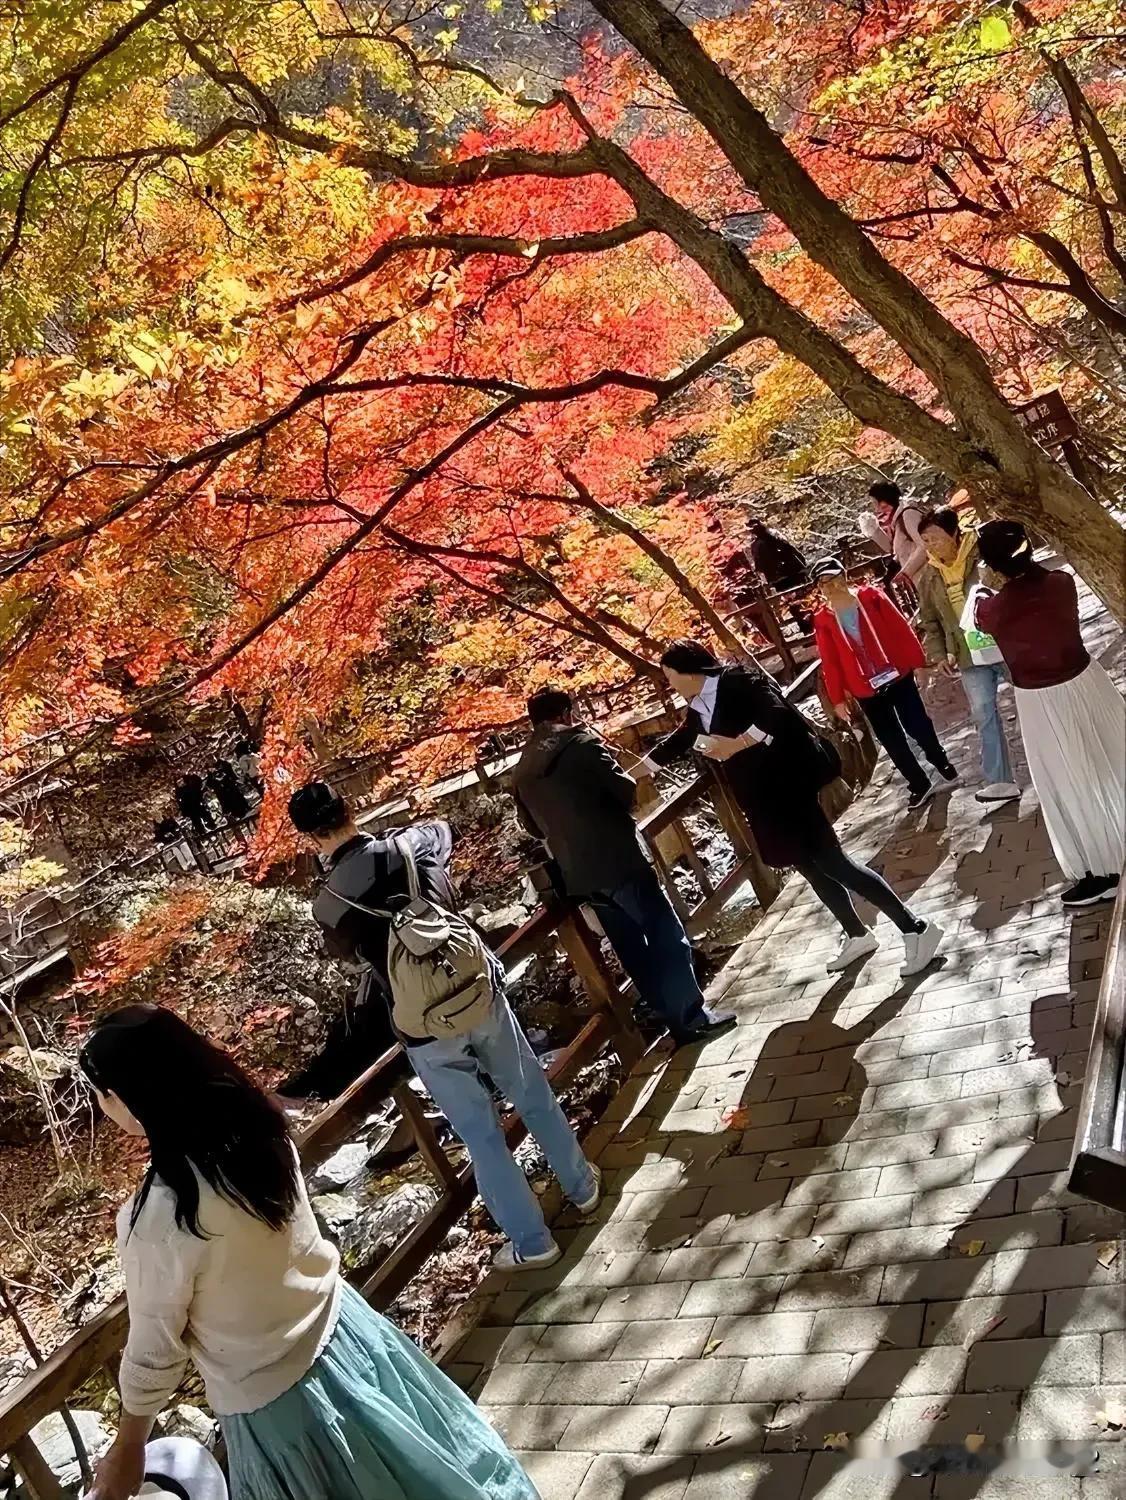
x=919 y=948
x=999 y=791
x=852 y=950
x=588 y=1205
x=508 y=1258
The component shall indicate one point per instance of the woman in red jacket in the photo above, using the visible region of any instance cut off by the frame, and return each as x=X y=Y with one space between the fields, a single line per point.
x=869 y=655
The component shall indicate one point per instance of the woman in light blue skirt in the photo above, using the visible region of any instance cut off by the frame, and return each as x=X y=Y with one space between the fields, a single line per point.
x=318 y=1396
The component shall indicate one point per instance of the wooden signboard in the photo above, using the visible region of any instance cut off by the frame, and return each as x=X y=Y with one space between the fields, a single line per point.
x=1048 y=419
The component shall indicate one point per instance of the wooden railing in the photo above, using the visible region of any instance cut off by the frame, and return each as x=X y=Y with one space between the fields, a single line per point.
x=50 y=1386
x=1098 y=1165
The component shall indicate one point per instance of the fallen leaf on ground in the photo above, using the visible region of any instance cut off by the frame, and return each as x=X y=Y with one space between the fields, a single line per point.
x=778 y=1161
x=974 y=1442
x=737 y=1119
x=984 y=1331
x=1108 y=1254
x=781 y=1420
x=838 y=1441
x=1063 y=1078
x=971 y=1247
x=1113 y=1414
x=711 y=1346
x=818 y=1241
x=934 y=1414
x=720 y=1437
x=843 y=1099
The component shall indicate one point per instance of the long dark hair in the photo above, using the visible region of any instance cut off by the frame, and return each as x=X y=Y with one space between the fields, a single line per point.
x=200 y=1111
x=1005 y=547
x=692 y=658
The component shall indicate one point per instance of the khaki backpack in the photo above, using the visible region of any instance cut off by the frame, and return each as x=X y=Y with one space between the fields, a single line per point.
x=439 y=966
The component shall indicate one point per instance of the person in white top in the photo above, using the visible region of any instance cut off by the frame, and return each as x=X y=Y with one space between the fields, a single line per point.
x=318 y=1396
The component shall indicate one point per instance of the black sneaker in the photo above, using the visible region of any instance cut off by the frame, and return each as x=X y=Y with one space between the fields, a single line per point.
x=920 y=798
x=1090 y=889
x=950 y=774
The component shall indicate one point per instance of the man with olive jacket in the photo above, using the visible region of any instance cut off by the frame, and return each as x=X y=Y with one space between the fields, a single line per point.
x=953 y=567
x=572 y=795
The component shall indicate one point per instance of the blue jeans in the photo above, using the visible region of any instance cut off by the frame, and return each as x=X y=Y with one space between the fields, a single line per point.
x=649 y=939
x=452 y=1070
x=981 y=684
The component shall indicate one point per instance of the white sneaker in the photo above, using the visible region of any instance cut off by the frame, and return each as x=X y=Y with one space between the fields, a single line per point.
x=919 y=948
x=999 y=791
x=508 y=1258
x=852 y=950
x=588 y=1205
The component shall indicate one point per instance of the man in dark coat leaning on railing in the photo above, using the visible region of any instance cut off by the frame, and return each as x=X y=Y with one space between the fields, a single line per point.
x=572 y=794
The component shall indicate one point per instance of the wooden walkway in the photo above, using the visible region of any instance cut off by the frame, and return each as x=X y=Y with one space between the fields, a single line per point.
x=843 y=1229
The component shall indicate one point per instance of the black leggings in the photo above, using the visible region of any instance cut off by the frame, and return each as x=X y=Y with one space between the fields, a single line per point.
x=891 y=711
x=833 y=875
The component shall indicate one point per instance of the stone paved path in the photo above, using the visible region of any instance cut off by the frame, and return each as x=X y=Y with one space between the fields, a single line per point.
x=845 y=1221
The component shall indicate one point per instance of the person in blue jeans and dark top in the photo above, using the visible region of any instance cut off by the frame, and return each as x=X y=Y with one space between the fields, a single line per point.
x=574 y=796
x=954 y=567
x=366 y=874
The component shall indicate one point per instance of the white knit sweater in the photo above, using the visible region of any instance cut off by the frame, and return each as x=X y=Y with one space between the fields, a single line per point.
x=252 y=1307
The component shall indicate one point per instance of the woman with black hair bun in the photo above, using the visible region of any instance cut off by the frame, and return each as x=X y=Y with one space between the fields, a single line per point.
x=1072 y=717
x=775 y=765
x=319 y=1398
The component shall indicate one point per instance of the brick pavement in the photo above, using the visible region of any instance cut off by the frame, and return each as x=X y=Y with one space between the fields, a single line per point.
x=847 y=1217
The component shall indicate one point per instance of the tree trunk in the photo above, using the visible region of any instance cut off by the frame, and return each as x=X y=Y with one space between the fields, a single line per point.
x=988 y=449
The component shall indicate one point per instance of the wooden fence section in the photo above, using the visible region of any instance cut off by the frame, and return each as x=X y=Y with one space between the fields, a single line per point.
x=49 y=1387
x=1098 y=1166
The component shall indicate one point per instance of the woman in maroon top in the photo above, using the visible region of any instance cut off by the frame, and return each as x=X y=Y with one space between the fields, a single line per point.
x=1072 y=716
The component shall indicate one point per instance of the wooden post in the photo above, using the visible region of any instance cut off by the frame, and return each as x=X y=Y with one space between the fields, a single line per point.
x=33 y=1469
x=763 y=611
x=581 y=948
x=764 y=881
x=429 y=1147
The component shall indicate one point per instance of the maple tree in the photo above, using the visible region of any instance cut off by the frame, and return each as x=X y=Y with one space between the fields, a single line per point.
x=315 y=318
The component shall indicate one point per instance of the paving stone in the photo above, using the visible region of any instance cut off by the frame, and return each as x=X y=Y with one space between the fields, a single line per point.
x=578 y=1341
x=515 y=1385
x=780 y=1333
x=689 y=1382
x=955 y=1322
x=834 y=1476
x=703 y=1263
x=1018 y=1366
x=1114 y=1357
x=862 y=1217
x=697 y=1429
x=849 y=1329
x=618 y=1429
x=923 y=1242
x=510 y=1346
x=889 y=1150
x=1018 y=1486
x=632 y=1303
x=823 y=1253
x=919 y=1091
x=816 y=1289
x=570 y=1305
x=635 y=1477
x=1070 y=1413
x=762 y=1138
x=1084 y=1309
x=775 y=1223
x=791 y=1377
x=732 y=1296
x=926 y=1176
x=1055 y=1267
x=906 y=1372
x=660 y=1205
x=768 y=1476
x=807 y=1424
x=679 y=1338
x=529 y=1426
x=744 y=1197
x=835 y=1187
x=973 y=1201
x=557 y=1476
x=802 y=1162
x=923 y=1420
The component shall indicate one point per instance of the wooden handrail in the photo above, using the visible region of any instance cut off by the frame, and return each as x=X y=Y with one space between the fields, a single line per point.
x=1098 y=1163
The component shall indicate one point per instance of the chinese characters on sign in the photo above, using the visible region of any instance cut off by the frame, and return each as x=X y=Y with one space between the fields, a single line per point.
x=1047 y=419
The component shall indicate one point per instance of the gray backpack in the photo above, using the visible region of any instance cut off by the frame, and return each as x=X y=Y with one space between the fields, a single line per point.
x=440 y=968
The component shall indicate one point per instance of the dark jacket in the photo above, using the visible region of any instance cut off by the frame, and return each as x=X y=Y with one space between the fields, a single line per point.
x=776 y=783
x=571 y=793
x=778 y=560
x=372 y=872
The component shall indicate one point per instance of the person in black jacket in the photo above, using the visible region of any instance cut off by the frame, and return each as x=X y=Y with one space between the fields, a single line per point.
x=571 y=793
x=191 y=799
x=775 y=766
x=366 y=872
x=776 y=559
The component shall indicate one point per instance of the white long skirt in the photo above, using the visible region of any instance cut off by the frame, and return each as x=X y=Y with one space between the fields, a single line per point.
x=1075 y=741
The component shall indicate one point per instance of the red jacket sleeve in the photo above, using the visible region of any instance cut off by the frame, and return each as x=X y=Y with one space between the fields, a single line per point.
x=832 y=674
x=897 y=635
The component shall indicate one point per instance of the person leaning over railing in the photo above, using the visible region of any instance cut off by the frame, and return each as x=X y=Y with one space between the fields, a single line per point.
x=776 y=765
x=318 y=1397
